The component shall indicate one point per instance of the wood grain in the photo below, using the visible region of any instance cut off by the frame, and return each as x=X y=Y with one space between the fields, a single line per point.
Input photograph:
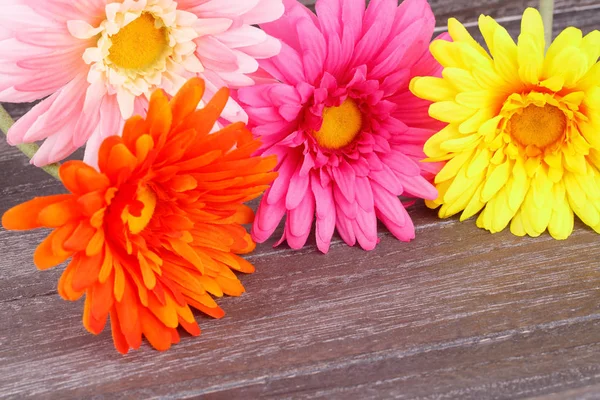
x=457 y=313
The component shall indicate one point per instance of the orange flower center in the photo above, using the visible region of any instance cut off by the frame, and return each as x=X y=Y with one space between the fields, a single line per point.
x=138 y=221
x=340 y=125
x=538 y=126
x=139 y=44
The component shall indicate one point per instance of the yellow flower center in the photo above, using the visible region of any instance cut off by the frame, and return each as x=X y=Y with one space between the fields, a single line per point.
x=148 y=198
x=340 y=125
x=139 y=44
x=538 y=126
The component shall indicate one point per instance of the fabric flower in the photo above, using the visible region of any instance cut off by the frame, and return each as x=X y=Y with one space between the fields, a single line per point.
x=522 y=141
x=158 y=228
x=99 y=61
x=347 y=131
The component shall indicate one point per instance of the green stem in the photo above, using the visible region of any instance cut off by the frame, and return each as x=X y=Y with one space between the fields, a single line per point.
x=547 y=12
x=29 y=149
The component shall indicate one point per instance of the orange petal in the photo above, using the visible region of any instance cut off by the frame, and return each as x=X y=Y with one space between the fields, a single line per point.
x=183 y=183
x=157 y=334
x=187 y=99
x=118 y=338
x=133 y=129
x=120 y=160
x=129 y=319
x=107 y=265
x=44 y=257
x=91 y=203
x=216 y=105
x=200 y=161
x=65 y=286
x=61 y=235
x=87 y=271
x=106 y=148
x=80 y=238
x=187 y=253
x=191 y=328
x=159 y=117
x=93 y=325
x=166 y=313
x=147 y=274
x=174 y=336
x=59 y=214
x=79 y=178
x=143 y=145
x=25 y=216
x=182 y=277
x=211 y=286
x=216 y=312
x=244 y=215
x=231 y=287
x=103 y=299
x=96 y=243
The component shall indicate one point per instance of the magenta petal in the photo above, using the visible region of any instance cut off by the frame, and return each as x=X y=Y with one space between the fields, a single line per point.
x=389 y=205
x=344 y=227
x=325 y=210
x=299 y=222
x=267 y=219
x=297 y=189
x=368 y=56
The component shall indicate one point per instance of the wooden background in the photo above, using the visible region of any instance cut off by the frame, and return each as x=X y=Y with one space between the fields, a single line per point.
x=457 y=313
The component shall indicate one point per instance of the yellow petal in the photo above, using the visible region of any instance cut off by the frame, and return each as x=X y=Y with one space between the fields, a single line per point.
x=446 y=54
x=505 y=55
x=461 y=79
x=542 y=189
x=461 y=184
x=476 y=121
x=450 y=170
x=533 y=25
x=449 y=111
x=575 y=162
x=496 y=181
x=479 y=163
x=476 y=100
x=432 y=89
x=590 y=46
x=531 y=59
x=460 y=34
x=516 y=225
x=570 y=37
x=474 y=205
x=571 y=64
x=518 y=186
x=432 y=147
x=502 y=212
x=461 y=144
x=591 y=78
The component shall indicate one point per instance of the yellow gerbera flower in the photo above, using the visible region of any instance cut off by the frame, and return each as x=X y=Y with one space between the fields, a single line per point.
x=523 y=136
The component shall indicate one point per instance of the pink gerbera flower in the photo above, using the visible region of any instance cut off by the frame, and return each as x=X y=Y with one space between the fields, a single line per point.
x=348 y=133
x=99 y=60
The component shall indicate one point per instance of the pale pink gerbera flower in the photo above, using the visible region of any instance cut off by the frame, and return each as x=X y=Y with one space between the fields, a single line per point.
x=99 y=60
x=348 y=133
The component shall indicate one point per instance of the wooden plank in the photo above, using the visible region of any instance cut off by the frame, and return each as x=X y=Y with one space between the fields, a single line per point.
x=469 y=11
x=454 y=302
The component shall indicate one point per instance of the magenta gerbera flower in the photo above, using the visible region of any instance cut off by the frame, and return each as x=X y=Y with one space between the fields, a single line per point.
x=98 y=61
x=347 y=131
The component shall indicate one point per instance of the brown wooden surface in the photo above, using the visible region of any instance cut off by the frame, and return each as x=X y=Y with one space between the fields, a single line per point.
x=457 y=313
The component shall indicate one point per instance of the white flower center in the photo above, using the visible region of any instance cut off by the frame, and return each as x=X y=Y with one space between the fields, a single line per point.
x=141 y=45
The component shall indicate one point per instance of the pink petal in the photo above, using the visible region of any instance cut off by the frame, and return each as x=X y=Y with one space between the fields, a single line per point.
x=267 y=219
x=325 y=211
x=299 y=222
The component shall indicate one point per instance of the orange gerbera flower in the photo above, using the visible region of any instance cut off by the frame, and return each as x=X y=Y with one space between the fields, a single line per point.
x=157 y=229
